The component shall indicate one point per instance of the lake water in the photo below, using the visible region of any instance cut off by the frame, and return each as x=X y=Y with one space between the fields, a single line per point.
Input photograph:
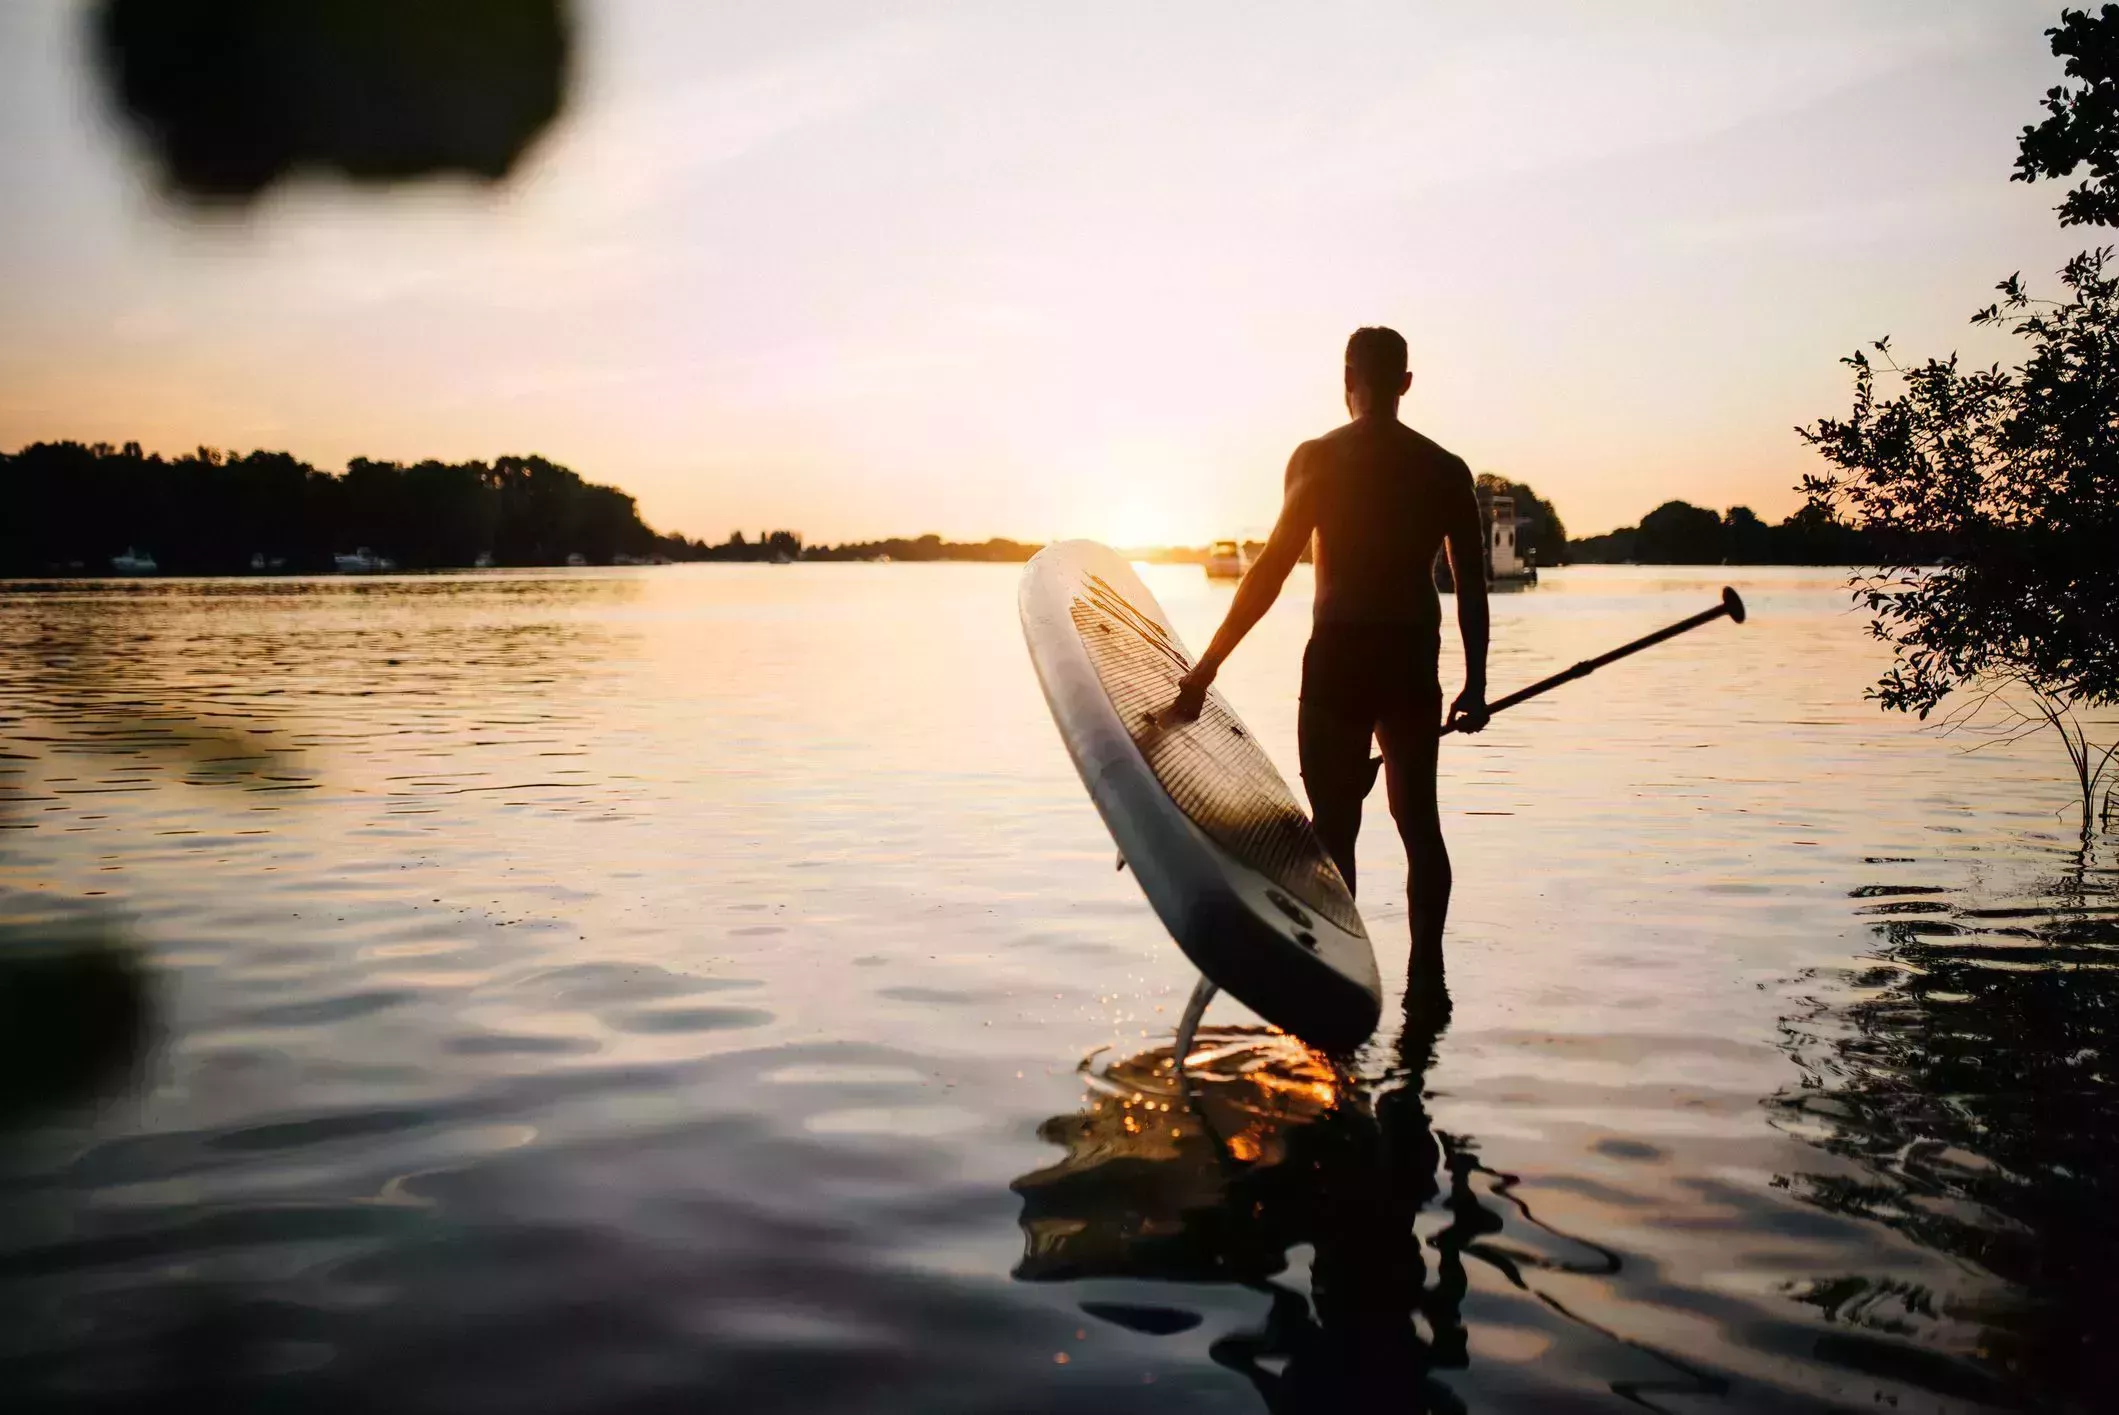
x=709 y=988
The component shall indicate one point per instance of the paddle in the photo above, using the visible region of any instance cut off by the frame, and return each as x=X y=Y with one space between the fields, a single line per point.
x=1732 y=605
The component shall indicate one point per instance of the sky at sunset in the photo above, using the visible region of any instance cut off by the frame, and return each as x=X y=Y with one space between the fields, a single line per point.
x=1043 y=270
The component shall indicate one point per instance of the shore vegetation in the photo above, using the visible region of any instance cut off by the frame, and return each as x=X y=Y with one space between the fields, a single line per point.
x=75 y=508
x=1680 y=533
x=1991 y=495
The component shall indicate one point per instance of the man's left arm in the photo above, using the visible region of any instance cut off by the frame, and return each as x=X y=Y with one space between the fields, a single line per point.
x=1466 y=541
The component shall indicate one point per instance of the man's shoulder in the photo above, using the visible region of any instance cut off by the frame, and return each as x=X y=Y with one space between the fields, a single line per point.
x=1412 y=447
x=1435 y=454
x=1306 y=457
x=1341 y=441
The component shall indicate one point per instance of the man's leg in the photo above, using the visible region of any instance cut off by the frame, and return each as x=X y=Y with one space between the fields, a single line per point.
x=1410 y=744
x=1335 y=772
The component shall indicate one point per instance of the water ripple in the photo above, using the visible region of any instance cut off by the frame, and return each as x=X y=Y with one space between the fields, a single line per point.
x=353 y=1071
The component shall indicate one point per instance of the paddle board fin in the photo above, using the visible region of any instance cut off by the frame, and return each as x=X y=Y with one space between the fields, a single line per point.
x=1195 y=1008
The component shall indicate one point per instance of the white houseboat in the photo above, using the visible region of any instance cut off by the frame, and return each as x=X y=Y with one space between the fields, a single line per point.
x=1505 y=559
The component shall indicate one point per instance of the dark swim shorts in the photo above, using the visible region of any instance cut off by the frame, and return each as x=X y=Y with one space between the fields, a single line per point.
x=1363 y=673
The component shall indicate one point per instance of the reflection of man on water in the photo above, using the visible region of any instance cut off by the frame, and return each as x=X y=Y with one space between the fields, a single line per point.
x=1379 y=499
x=1214 y=1171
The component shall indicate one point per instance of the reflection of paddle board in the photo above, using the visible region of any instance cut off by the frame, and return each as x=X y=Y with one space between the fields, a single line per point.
x=1212 y=833
x=1201 y=1174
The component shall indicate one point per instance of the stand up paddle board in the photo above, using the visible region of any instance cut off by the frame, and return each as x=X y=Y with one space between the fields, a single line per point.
x=1231 y=864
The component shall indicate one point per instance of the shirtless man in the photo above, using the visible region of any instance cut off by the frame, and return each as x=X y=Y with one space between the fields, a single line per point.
x=1380 y=500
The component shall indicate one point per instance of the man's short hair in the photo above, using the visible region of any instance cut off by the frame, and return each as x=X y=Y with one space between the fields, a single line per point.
x=1375 y=358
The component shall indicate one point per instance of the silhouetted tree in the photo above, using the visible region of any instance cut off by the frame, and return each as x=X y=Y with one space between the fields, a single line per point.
x=1814 y=535
x=2015 y=473
x=1679 y=533
x=68 y=508
x=458 y=512
x=1614 y=547
x=2082 y=124
x=1746 y=540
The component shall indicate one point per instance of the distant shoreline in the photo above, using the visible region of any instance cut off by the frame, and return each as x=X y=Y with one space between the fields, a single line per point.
x=1162 y=556
x=70 y=510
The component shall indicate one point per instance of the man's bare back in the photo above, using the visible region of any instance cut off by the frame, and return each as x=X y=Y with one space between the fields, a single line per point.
x=1378 y=499
x=1384 y=498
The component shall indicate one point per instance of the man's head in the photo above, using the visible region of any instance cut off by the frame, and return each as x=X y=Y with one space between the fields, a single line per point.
x=1376 y=377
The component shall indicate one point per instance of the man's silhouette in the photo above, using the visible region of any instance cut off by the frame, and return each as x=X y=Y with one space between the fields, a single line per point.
x=1380 y=500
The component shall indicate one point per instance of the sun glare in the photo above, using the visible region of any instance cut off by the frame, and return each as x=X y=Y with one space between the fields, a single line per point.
x=1134 y=510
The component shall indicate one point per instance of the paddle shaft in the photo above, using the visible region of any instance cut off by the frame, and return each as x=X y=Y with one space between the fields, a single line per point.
x=1731 y=606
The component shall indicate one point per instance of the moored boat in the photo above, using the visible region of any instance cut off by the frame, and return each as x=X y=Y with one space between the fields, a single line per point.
x=363 y=561
x=1226 y=560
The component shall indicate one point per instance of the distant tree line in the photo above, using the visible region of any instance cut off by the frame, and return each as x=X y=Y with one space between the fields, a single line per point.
x=781 y=546
x=927 y=547
x=70 y=507
x=1679 y=533
x=787 y=545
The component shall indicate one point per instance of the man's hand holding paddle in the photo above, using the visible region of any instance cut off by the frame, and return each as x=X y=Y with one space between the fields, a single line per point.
x=1471 y=710
x=1468 y=713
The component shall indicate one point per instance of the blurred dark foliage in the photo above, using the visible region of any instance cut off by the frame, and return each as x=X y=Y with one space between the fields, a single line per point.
x=66 y=507
x=2081 y=128
x=1679 y=533
x=75 y=1017
x=233 y=95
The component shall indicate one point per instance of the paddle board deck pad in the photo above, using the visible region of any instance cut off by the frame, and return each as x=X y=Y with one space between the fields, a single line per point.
x=1227 y=858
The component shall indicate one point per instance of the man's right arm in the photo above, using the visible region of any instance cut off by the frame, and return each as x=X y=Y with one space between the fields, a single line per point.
x=1466 y=539
x=1260 y=587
